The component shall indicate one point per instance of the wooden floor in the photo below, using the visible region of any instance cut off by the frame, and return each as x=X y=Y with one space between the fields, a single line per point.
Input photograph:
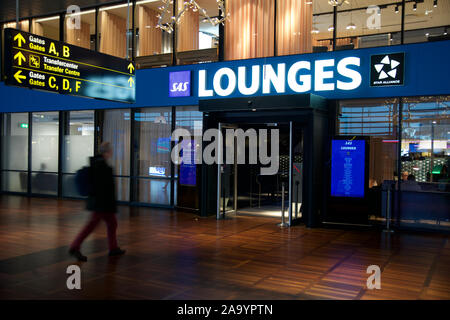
x=174 y=255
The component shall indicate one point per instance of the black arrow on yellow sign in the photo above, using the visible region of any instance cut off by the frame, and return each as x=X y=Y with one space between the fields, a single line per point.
x=19 y=56
x=131 y=81
x=18 y=76
x=19 y=39
x=130 y=68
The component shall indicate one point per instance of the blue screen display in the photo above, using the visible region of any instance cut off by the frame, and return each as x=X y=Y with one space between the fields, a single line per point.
x=348 y=168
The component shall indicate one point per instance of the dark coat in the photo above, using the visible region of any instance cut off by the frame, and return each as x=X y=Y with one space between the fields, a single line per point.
x=102 y=196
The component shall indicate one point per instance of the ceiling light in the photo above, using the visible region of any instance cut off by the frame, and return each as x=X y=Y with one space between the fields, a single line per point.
x=351 y=26
x=330 y=28
x=308 y=1
x=315 y=30
x=415 y=6
x=126 y=4
x=435 y=3
x=47 y=19
x=80 y=13
x=396 y=9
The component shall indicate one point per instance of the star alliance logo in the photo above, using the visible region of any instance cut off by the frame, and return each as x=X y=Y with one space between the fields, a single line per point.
x=387 y=69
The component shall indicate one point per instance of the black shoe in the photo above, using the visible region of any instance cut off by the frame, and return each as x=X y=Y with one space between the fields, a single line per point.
x=77 y=254
x=116 y=252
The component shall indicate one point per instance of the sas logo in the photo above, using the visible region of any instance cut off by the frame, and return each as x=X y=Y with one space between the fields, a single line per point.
x=387 y=69
x=180 y=84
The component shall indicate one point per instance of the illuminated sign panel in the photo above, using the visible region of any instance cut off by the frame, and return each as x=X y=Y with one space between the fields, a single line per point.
x=300 y=77
x=348 y=171
x=387 y=69
x=41 y=63
x=180 y=84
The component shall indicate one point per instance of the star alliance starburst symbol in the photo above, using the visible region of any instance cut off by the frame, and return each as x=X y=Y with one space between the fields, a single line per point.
x=387 y=64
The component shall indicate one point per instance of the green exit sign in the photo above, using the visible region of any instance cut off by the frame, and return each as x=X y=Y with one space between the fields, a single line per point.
x=23 y=125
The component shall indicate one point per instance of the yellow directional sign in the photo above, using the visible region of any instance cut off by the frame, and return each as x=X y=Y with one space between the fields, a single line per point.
x=19 y=38
x=20 y=57
x=37 y=62
x=18 y=76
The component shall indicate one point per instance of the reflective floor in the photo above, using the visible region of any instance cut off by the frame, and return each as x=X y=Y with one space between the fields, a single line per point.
x=175 y=255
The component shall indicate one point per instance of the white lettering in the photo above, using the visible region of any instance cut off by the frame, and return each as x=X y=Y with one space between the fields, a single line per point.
x=305 y=79
x=217 y=82
x=321 y=75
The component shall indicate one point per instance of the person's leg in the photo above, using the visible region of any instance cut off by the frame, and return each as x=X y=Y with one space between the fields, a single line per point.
x=111 y=225
x=88 y=228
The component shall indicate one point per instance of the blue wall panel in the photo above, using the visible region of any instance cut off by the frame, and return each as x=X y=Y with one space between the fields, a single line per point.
x=427 y=72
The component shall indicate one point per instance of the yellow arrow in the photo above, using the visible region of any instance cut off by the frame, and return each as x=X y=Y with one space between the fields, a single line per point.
x=20 y=57
x=131 y=81
x=130 y=67
x=18 y=76
x=19 y=39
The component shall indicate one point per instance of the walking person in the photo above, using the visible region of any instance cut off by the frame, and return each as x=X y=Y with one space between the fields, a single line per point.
x=101 y=201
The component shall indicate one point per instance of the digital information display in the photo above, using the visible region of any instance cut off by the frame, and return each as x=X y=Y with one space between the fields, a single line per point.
x=37 y=62
x=188 y=171
x=348 y=168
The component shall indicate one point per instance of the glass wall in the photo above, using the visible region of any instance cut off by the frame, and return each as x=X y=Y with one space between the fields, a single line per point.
x=44 y=152
x=188 y=174
x=151 y=40
x=80 y=29
x=153 y=131
x=424 y=181
x=15 y=152
x=322 y=26
x=78 y=146
x=112 y=24
x=425 y=150
x=377 y=119
x=116 y=128
x=426 y=20
x=366 y=24
x=46 y=27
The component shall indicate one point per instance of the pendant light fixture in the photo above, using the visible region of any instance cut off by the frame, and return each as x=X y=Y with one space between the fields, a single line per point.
x=351 y=25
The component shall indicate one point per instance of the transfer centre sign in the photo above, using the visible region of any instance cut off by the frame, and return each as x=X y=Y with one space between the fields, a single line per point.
x=37 y=62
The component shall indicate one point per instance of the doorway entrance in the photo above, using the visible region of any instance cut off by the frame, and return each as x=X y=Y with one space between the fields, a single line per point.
x=299 y=125
x=244 y=189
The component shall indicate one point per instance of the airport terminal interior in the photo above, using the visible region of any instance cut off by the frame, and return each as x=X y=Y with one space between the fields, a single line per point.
x=227 y=231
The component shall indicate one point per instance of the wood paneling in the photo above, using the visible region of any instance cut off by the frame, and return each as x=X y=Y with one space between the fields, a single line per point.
x=79 y=37
x=294 y=24
x=113 y=37
x=150 y=37
x=37 y=28
x=188 y=30
x=175 y=255
x=250 y=31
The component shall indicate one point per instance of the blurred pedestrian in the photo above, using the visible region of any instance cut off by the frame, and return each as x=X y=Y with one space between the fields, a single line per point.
x=101 y=201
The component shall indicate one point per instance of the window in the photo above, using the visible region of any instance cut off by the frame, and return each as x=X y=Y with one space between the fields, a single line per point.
x=82 y=34
x=153 y=161
x=425 y=162
x=15 y=152
x=188 y=175
x=151 y=40
x=44 y=152
x=78 y=146
x=116 y=128
x=113 y=30
x=322 y=26
x=426 y=20
x=379 y=120
x=368 y=24
x=46 y=27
